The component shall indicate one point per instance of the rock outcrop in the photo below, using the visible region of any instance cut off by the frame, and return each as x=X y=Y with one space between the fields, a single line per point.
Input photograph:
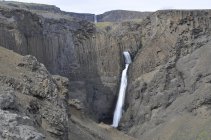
x=31 y=6
x=122 y=15
x=169 y=89
x=32 y=102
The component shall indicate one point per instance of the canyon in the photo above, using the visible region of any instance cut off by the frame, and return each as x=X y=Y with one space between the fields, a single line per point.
x=169 y=81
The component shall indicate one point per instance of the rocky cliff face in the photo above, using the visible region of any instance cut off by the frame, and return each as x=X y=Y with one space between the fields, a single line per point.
x=72 y=48
x=51 y=37
x=168 y=95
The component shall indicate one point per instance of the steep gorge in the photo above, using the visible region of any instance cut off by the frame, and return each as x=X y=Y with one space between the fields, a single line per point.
x=165 y=47
x=73 y=48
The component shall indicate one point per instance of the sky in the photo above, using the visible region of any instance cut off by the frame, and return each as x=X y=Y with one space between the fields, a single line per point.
x=101 y=6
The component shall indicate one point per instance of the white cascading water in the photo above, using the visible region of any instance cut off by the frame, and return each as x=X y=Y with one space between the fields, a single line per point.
x=95 y=19
x=122 y=90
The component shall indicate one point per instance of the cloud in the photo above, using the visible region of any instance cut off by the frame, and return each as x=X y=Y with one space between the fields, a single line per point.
x=100 y=6
x=166 y=8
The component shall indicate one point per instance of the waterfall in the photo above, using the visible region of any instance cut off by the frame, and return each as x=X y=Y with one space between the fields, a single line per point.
x=95 y=18
x=122 y=90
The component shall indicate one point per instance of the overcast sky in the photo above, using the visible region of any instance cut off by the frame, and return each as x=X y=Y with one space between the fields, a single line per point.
x=100 y=6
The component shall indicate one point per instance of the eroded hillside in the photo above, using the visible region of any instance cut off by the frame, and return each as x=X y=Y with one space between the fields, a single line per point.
x=169 y=89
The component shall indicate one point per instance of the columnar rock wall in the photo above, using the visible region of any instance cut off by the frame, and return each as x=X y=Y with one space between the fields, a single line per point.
x=89 y=57
x=169 y=78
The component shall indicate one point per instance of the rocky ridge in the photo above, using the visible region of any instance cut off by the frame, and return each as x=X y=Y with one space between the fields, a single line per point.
x=121 y=16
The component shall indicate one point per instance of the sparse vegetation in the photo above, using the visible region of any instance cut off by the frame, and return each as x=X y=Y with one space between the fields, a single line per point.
x=103 y=25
